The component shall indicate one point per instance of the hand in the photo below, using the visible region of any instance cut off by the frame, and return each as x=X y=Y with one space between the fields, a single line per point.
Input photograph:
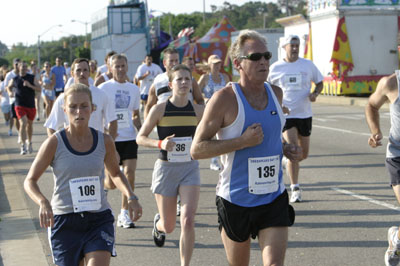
x=135 y=210
x=253 y=135
x=313 y=97
x=375 y=140
x=147 y=73
x=167 y=144
x=285 y=110
x=46 y=217
x=293 y=152
x=26 y=83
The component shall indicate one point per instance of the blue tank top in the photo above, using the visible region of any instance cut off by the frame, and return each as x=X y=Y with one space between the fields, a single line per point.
x=46 y=79
x=263 y=160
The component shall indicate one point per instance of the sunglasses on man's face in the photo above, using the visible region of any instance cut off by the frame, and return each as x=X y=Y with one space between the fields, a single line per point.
x=257 y=56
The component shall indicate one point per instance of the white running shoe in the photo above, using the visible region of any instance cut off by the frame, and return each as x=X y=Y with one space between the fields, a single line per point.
x=30 y=149
x=178 y=208
x=392 y=255
x=284 y=162
x=214 y=165
x=23 y=149
x=124 y=221
x=296 y=195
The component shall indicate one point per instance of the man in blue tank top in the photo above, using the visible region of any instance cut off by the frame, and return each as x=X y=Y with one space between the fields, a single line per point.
x=247 y=119
x=388 y=89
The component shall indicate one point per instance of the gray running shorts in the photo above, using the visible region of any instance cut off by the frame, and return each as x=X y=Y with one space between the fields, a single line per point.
x=168 y=177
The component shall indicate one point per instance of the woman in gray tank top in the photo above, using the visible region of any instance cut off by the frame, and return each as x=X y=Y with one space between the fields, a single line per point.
x=79 y=207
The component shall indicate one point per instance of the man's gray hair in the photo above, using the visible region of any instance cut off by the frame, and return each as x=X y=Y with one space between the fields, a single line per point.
x=236 y=48
x=116 y=57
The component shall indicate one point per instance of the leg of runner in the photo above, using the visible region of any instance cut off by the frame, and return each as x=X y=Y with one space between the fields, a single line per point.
x=237 y=253
x=189 y=201
x=273 y=243
x=124 y=220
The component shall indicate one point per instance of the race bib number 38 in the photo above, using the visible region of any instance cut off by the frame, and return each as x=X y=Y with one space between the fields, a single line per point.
x=85 y=193
x=181 y=152
x=263 y=174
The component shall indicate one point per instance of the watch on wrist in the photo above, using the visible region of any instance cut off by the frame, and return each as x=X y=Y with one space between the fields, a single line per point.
x=134 y=197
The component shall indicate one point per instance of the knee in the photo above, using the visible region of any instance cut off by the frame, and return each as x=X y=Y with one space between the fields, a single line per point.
x=168 y=227
x=130 y=174
x=187 y=222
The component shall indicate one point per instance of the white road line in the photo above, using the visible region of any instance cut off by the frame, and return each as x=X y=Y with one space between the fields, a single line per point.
x=345 y=131
x=371 y=200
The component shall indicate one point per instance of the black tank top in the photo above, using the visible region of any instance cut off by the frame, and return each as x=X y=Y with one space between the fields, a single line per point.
x=24 y=96
x=181 y=121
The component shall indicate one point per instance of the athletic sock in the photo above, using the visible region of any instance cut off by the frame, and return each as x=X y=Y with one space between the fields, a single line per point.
x=294 y=186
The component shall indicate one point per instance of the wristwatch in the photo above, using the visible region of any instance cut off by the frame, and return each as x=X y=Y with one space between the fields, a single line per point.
x=134 y=197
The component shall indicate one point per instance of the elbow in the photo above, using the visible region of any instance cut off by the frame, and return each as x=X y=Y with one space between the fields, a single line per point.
x=139 y=140
x=194 y=152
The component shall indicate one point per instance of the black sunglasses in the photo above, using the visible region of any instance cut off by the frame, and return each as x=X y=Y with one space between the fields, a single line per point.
x=257 y=56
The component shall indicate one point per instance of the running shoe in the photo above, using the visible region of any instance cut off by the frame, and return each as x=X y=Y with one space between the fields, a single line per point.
x=392 y=255
x=214 y=165
x=23 y=149
x=158 y=236
x=284 y=162
x=19 y=139
x=30 y=149
x=296 y=195
x=124 y=221
x=178 y=208
x=10 y=132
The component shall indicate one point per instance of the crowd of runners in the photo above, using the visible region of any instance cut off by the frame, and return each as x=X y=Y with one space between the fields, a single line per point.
x=251 y=130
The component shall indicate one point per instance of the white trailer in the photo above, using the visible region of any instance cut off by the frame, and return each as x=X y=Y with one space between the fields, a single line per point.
x=121 y=28
x=372 y=31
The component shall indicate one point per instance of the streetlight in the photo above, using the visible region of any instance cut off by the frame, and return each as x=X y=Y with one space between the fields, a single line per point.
x=59 y=25
x=85 y=23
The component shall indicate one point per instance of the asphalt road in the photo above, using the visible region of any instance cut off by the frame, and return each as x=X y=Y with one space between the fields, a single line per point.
x=348 y=205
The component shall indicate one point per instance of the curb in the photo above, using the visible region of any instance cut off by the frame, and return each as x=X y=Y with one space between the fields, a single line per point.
x=349 y=101
x=19 y=240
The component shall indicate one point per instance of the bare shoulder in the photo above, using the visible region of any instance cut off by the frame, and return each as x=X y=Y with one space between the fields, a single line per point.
x=388 y=83
x=224 y=97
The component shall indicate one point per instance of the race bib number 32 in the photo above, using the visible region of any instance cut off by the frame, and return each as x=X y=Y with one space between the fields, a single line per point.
x=85 y=193
x=263 y=174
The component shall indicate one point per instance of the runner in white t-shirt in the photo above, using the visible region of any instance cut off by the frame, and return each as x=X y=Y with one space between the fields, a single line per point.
x=294 y=75
x=146 y=74
x=102 y=117
x=126 y=98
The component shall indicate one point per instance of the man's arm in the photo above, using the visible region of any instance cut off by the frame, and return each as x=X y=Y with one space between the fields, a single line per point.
x=220 y=112
x=98 y=81
x=136 y=119
x=197 y=96
x=151 y=101
x=317 y=91
x=385 y=87
x=113 y=129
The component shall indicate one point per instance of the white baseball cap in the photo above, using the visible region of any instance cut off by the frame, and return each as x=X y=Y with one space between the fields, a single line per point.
x=290 y=38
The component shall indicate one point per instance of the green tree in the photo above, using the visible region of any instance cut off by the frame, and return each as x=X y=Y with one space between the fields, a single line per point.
x=3 y=49
x=4 y=62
